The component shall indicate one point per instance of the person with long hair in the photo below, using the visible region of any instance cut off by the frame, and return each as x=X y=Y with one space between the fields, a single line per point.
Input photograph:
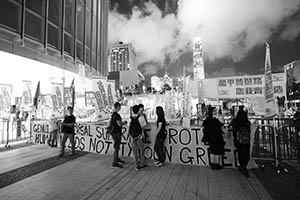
x=241 y=127
x=160 y=137
x=213 y=136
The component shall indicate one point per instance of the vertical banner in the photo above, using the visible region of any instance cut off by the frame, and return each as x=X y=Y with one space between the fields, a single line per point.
x=291 y=82
x=37 y=95
x=269 y=90
x=5 y=98
x=57 y=98
x=27 y=95
x=111 y=93
x=100 y=90
x=67 y=97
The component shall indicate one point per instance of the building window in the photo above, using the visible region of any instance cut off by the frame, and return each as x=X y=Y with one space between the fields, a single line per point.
x=88 y=56
x=10 y=15
x=80 y=20
x=68 y=44
x=80 y=29
x=94 y=25
x=69 y=16
x=94 y=64
x=79 y=51
x=54 y=36
x=37 y=6
x=88 y=32
x=54 y=23
x=55 y=12
x=34 y=26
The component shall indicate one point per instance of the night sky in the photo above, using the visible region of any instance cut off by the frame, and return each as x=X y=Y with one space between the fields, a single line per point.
x=282 y=51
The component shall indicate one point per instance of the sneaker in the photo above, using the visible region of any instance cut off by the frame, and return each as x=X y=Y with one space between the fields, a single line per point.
x=159 y=164
x=121 y=161
x=156 y=162
x=138 y=168
x=116 y=165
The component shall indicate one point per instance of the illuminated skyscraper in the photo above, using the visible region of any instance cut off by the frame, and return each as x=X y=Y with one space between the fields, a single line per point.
x=122 y=58
x=198 y=59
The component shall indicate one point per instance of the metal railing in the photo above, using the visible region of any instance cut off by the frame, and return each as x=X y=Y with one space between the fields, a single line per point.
x=12 y=131
x=277 y=140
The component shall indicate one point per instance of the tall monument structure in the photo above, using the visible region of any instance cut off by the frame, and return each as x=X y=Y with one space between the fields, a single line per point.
x=198 y=59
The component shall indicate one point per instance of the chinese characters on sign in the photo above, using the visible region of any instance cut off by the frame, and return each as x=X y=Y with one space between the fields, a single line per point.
x=250 y=86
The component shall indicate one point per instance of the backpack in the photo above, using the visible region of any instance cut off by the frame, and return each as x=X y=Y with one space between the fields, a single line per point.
x=243 y=135
x=135 y=128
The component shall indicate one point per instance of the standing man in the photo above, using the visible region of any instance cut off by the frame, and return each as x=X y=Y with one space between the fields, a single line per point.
x=116 y=122
x=136 y=133
x=68 y=129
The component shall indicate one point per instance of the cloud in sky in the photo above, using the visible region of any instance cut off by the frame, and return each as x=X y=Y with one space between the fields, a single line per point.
x=225 y=72
x=228 y=28
x=149 y=68
x=291 y=28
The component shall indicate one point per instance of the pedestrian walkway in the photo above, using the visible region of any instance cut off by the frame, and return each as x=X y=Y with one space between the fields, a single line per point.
x=91 y=177
x=20 y=157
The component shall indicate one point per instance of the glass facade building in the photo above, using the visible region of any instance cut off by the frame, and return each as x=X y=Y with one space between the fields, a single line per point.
x=122 y=57
x=73 y=31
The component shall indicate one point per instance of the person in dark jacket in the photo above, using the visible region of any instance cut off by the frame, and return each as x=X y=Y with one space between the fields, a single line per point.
x=117 y=124
x=213 y=136
x=68 y=131
x=241 y=128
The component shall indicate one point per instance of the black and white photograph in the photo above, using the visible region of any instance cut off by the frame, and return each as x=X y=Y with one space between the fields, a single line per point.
x=149 y=99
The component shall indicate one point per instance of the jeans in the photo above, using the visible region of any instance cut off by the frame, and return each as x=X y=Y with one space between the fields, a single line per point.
x=64 y=139
x=117 y=142
x=138 y=152
x=243 y=154
x=159 y=149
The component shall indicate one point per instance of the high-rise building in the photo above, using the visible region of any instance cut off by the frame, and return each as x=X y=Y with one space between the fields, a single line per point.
x=122 y=58
x=51 y=43
x=62 y=33
x=198 y=59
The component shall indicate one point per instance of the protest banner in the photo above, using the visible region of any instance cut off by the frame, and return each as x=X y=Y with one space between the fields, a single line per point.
x=183 y=145
x=100 y=91
x=5 y=98
x=27 y=95
x=269 y=90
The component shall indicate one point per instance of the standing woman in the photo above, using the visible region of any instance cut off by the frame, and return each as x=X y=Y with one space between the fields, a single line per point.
x=160 y=137
x=213 y=135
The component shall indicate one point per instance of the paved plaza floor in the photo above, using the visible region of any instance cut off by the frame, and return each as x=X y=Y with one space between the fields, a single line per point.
x=91 y=177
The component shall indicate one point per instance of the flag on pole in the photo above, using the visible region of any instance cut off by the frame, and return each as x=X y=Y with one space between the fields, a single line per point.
x=269 y=90
x=73 y=93
x=37 y=95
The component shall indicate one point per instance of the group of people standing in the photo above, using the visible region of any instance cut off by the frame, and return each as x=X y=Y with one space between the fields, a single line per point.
x=213 y=136
x=138 y=123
